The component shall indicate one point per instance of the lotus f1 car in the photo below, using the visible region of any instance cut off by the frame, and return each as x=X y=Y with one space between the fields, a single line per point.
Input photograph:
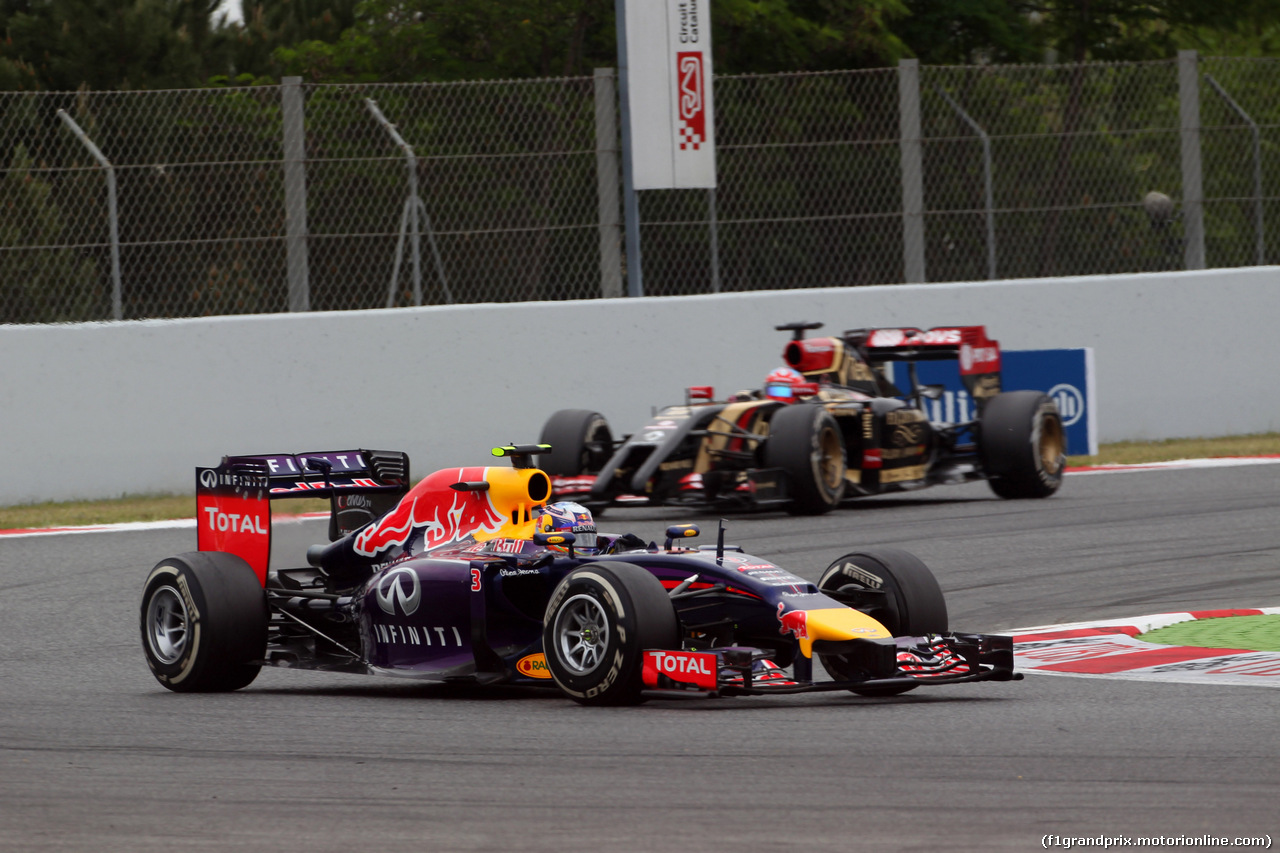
x=457 y=580
x=840 y=430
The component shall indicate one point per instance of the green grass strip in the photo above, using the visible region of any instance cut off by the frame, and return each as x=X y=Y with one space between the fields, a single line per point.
x=1252 y=633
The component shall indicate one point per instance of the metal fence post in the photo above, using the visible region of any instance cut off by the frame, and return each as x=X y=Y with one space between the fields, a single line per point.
x=912 y=171
x=413 y=206
x=606 y=94
x=630 y=201
x=113 y=217
x=1192 y=187
x=715 y=240
x=989 y=203
x=295 y=193
x=1258 y=226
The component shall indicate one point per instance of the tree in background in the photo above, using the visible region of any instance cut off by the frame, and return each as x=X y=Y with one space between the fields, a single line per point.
x=421 y=40
x=417 y=40
x=114 y=44
x=150 y=44
x=271 y=26
x=969 y=32
x=40 y=282
x=1136 y=30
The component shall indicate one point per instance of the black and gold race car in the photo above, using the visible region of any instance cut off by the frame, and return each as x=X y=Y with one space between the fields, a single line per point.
x=829 y=427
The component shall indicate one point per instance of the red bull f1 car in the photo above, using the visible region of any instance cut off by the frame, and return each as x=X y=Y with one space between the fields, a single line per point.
x=471 y=576
x=828 y=427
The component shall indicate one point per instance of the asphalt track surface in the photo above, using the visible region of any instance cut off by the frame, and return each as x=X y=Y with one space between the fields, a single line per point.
x=95 y=755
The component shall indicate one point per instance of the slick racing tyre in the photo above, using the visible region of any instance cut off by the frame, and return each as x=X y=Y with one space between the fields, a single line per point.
x=598 y=623
x=1022 y=445
x=204 y=622
x=912 y=603
x=806 y=444
x=581 y=443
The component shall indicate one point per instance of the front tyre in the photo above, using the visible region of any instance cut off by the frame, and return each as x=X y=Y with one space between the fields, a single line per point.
x=907 y=601
x=204 y=622
x=581 y=443
x=598 y=623
x=805 y=442
x=1022 y=444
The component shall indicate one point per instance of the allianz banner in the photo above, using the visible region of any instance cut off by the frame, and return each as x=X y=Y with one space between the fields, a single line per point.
x=1066 y=375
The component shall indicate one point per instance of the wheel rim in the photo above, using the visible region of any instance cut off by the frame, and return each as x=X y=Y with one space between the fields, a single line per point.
x=167 y=625
x=830 y=459
x=1052 y=445
x=581 y=634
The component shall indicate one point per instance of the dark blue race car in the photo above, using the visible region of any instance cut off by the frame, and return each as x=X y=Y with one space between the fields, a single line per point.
x=472 y=576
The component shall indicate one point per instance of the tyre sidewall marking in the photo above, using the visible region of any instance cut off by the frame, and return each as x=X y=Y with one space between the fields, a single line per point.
x=851 y=570
x=888 y=584
x=177 y=580
x=603 y=591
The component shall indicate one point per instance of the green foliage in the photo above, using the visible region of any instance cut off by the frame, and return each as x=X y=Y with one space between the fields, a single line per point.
x=39 y=282
x=270 y=29
x=966 y=32
x=1251 y=28
x=151 y=44
x=760 y=36
x=63 y=45
x=420 y=40
x=1138 y=30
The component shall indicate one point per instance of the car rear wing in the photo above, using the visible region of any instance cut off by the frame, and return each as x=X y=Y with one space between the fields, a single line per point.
x=978 y=355
x=233 y=500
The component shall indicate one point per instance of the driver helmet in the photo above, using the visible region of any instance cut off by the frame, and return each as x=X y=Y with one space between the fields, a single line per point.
x=569 y=517
x=781 y=384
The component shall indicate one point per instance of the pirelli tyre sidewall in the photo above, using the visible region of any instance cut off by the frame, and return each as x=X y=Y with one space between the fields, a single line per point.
x=913 y=602
x=599 y=620
x=806 y=443
x=1023 y=444
x=204 y=622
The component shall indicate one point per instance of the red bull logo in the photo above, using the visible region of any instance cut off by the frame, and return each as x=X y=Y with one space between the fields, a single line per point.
x=468 y=513
x=795 y=623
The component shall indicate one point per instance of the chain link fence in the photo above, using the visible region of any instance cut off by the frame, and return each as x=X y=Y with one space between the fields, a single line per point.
x=1017 y=171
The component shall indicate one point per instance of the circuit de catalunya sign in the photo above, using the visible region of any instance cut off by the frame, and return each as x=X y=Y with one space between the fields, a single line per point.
x=1110 y=649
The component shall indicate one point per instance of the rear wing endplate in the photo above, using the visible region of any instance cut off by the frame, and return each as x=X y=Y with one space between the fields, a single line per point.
x=233 y=500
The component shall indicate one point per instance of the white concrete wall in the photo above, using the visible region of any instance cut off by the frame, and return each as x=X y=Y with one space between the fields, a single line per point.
x=99 y=410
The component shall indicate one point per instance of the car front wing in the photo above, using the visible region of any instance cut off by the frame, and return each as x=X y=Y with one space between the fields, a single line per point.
x=953 y=658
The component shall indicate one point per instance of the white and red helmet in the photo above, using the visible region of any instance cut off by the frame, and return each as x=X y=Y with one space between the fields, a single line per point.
x=784 y=384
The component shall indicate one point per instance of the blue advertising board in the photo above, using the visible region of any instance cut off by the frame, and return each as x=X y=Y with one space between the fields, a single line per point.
x=1066 y=375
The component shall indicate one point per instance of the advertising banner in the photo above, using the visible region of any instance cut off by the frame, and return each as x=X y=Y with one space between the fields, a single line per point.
x=1066 y=375
x=669 y=87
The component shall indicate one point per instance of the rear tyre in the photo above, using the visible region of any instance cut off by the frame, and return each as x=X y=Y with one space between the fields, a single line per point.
x=598 y=623
x=806 y=444
x=581 y=443
x=912 y=605
x=1022 y=444
x=204 y=622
